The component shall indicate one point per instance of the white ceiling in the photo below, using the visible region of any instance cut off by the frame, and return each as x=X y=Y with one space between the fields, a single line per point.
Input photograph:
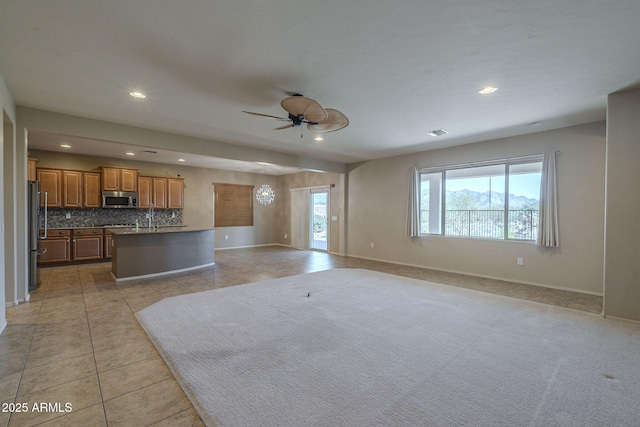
x=398 y=69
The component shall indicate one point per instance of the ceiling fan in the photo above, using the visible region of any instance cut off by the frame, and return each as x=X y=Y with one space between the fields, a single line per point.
x=306 y=110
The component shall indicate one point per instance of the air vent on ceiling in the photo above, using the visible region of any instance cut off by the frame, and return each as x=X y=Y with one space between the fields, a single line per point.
x=150 y=151
x=437 y=132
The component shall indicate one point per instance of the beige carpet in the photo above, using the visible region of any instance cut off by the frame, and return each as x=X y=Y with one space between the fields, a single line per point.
x=350 y=347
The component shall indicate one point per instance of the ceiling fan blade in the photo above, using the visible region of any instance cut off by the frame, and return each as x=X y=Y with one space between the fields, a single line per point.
x=335 y=121
x=310 y=109
x=266 y=115
x=285 y=127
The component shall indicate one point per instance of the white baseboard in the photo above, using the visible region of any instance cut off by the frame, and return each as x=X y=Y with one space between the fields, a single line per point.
x=523 y=282
x=466 y=273
x=620 y=318
x=247 y=246
x=2 y=326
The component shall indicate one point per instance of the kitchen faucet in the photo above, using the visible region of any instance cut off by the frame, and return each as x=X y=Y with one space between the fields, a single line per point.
x=150 y=214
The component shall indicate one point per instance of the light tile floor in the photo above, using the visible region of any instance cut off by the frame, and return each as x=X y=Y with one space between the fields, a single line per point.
x=77 y=341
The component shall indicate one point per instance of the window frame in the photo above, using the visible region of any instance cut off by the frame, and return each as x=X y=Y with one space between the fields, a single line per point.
x=442 y=170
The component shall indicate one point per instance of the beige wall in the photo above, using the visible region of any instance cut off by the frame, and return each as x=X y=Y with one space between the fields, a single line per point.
x=622 y=261
x=378 y=197
x=198 y=193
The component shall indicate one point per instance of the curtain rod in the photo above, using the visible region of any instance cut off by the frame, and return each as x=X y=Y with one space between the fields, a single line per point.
x=483 y=162
x=317 y=187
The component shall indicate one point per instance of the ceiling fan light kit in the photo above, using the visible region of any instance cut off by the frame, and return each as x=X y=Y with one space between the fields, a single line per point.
x=306 y=110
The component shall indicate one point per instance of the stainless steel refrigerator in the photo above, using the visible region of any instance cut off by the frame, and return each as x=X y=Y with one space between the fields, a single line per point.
x=37 y=218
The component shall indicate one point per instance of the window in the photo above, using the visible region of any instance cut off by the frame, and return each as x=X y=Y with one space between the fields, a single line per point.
x=233 y=205
x=497 y=200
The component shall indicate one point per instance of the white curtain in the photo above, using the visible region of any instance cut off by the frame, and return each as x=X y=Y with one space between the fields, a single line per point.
x=548 y=234
x=413 y=217
x=300 y=205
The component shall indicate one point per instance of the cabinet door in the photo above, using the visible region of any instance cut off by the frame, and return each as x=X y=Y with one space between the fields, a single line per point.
x=51 y=183
x=31 y=170
x=144 y=192
x=160 y=193
x=110 y=179
x=72 y=189
x=87 y=244
x=175 y=193
x=128 y=180
x=91 y=196
x=57 y=247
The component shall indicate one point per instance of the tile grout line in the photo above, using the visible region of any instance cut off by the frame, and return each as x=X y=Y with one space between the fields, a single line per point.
x=93 y=351
x=26 y=357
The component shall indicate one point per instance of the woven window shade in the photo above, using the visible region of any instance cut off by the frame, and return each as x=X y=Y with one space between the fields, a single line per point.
x=233 y=205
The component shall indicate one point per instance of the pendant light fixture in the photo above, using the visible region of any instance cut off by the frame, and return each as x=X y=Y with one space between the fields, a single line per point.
x=265 y=194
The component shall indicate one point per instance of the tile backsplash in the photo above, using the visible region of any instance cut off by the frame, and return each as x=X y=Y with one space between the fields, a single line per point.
x=57 y=218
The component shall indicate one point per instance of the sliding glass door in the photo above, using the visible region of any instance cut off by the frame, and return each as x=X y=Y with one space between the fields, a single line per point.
x=319 y=220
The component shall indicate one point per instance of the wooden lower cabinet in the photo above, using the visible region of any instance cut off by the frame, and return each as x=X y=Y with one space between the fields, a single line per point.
x=87 y=244
x=57 y=247
x=83 y=244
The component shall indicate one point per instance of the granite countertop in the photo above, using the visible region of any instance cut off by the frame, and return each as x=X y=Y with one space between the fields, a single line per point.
x=159 y=230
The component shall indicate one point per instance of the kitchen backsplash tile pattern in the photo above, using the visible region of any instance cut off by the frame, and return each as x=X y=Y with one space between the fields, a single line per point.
x=57 y=218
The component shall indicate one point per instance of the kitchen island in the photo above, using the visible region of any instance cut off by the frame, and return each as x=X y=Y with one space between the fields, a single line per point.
x=149 y=252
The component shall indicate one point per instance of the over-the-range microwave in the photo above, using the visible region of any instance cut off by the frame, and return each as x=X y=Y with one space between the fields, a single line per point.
x=119 y=199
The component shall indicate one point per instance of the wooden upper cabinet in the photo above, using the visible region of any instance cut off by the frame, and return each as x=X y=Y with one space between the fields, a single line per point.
x=50 y=183
x=31 y=170
x=119 y=179
x=91 y=196
x=128 y=180
x=81 y=189
x=175 y=193
x=110 y=179
x=144 y=192
x=71 y=189
x=160 y=192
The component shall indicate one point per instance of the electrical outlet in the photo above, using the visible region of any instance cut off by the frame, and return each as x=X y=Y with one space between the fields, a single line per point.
x=285 y=235
x=373 y=245
x=226 y=237
x=520 y=261
x=68 y=215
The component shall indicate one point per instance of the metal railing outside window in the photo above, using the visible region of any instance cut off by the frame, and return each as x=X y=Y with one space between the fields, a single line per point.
x=488 y=224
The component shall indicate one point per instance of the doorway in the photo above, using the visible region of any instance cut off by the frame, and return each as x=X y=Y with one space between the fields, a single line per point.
x=319 y=220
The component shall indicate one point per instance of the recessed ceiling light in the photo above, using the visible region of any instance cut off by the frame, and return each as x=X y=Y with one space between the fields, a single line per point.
x=318 y=138
x=65 y=146
x=130 y=154
x=181 y=160
x=138 y=95
x=487 y=90
x=437 y=132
